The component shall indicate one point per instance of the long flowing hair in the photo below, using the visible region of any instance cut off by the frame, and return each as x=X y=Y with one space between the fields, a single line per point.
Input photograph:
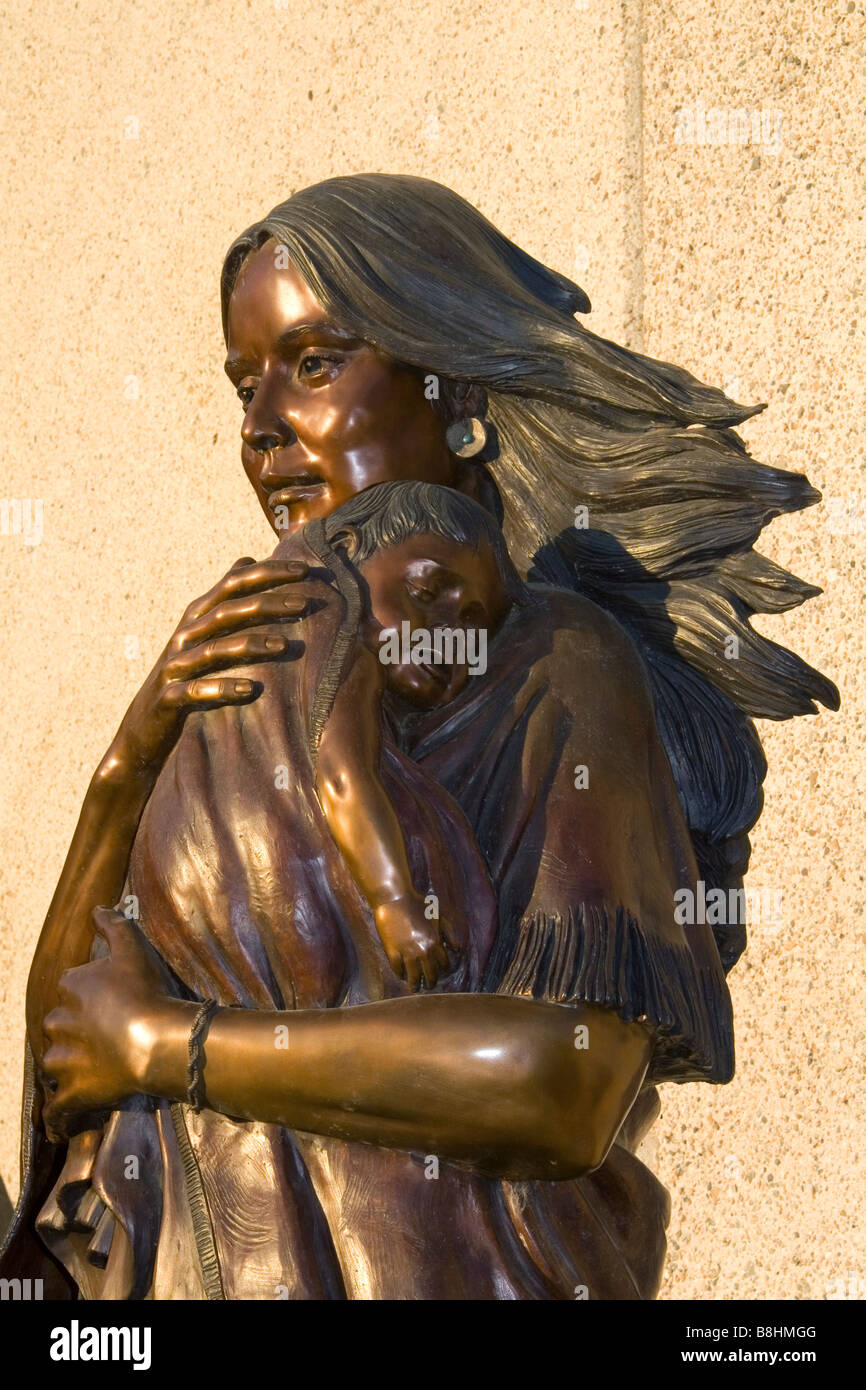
x=639 y=453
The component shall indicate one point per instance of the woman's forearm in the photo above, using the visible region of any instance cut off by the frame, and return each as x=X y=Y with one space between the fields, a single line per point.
x=93 y=875
x=511 y=1086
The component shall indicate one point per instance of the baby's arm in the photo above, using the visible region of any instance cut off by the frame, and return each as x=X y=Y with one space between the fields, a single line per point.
x=365 y=826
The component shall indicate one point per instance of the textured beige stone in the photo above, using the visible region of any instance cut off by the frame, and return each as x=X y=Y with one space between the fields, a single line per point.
x=138 y=140
x=753 y=279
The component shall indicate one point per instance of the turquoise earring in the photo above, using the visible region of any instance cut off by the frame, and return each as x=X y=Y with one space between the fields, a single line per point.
x=466 y=438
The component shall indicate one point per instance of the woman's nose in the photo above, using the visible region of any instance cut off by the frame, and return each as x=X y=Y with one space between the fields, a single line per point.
x=265 y=427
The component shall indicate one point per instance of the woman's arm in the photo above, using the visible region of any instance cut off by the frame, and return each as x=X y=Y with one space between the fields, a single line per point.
x=514 y=1087
x=494 y=1082
x=206 y=640
x=94 y=872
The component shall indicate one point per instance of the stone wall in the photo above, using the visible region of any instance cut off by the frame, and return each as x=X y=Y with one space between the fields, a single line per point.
x=699 y=170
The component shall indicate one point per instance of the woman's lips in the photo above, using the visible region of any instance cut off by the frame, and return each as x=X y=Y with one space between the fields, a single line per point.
x=302 y=486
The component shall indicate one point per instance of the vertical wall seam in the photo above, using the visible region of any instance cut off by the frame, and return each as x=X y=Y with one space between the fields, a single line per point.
x=633 y=31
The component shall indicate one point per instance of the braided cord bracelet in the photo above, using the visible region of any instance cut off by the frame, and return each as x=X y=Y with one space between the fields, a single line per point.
x=195 y=1091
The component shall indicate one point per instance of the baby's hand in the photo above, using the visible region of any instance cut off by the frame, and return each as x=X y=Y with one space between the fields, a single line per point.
x=414 y=945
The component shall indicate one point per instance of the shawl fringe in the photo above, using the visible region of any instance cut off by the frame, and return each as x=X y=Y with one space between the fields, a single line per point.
x=602 y=955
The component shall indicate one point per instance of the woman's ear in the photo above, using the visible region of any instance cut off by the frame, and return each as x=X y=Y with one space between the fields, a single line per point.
x=460 y=400
x=470 y=400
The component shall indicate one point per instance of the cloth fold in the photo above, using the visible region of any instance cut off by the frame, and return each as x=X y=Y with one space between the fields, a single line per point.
x=565 y=885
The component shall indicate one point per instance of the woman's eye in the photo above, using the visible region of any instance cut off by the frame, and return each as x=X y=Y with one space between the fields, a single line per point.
x=245 y=396
x=313 y=364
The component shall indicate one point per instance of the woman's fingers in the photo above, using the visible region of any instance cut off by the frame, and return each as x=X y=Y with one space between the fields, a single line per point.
x=57 y=1024
x=61 y=1066
x=112 y=924
x=129 y=950
x=247 y=610
x=68 y=985
x=59 y=1112
x=238 y=649
x=58 y=1059
x=207 y=693
x=246 y=576
x=55 y=1125
x=124 y=939
x=190 y=685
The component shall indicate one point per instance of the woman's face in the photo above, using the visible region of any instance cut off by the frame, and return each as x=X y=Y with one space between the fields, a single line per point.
x=325 y=414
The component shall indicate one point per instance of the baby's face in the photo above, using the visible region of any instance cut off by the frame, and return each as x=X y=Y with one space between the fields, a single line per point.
x=435 y=604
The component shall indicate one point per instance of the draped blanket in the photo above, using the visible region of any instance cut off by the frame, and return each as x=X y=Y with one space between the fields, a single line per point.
x=540 y=809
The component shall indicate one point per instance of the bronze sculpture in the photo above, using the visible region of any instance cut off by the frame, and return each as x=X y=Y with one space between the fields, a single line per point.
x=406 y=968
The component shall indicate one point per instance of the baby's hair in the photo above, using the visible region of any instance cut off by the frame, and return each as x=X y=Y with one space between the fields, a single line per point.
x=391 y=513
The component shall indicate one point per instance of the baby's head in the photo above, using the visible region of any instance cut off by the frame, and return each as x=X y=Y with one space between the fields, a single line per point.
x=439 y=583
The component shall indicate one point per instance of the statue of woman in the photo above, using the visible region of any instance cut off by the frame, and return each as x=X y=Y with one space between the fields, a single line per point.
x=237 y=1097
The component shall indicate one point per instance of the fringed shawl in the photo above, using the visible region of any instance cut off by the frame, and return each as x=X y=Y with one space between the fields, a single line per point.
x=555 y=759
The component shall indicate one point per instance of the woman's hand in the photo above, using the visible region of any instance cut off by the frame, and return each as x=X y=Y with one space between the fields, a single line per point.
x=213 y=635
x=101 y=1035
